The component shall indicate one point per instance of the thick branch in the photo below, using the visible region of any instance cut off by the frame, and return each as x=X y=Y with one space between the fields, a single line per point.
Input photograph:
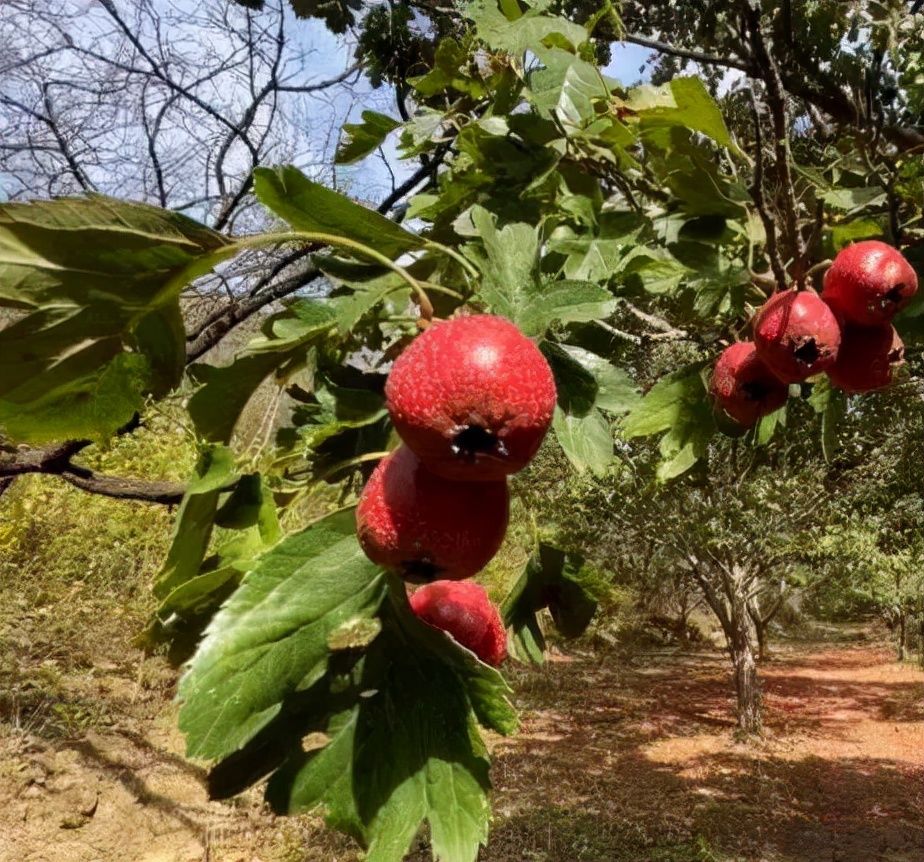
x=56 y=461
x=698 y=56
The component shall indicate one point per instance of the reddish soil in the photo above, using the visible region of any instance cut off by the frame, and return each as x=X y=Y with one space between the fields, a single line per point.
x=620 y=759
x=639 y=761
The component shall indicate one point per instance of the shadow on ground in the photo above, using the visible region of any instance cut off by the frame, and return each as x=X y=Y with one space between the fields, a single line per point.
x=620 y=763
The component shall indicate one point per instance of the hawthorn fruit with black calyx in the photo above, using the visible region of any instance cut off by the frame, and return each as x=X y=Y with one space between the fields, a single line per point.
x=869 y=283
x=868 y=358
x=473 y=397
x=425 y=527
x=743 y=386
x=796 y=335
x=464 y=611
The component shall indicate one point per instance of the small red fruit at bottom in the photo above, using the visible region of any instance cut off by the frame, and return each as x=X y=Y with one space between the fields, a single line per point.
x=426 y=527
x=869 y=283
x=796 y=335
x=465 y=612
x=867 y=359
x=743 y=386
x=473 y=397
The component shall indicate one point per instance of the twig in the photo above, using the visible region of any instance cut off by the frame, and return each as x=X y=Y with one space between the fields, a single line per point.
x=757 y=193
x=776 y=100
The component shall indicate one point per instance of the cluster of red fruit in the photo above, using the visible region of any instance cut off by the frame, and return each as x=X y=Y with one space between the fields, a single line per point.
x=472 y=399
x=846 y=332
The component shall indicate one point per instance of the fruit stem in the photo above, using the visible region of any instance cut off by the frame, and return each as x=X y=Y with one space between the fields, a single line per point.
x=344 y=465
x=202 y=265
x=821 y=266
x=456 y=256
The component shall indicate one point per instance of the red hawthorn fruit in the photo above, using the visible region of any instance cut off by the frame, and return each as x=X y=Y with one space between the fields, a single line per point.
x=796 y=335
x=426 y=527
x=743 y=386
x=869 y=283
x=867 y=359
x=465 y=612
x=473 y=397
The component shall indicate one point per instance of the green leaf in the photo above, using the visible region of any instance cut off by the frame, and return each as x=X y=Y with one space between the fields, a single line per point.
x=567 y=88
x=448 y=72
x=576 y=386
x=161 y=337
x=100 y=278
x=94 y=250
x=225 y=391
x=844 y=234
x=585 y=440
x=270 y=639
x=195 y=519
x=854 y=199
x=511 y=30
x=831 y=403
x=616 y=393
x=360 y=139
x=666 y=402
x=64 y=403
x=678 y=405
x=513 y=288
x=680 y=102
x=309 y=206
x=559 y=581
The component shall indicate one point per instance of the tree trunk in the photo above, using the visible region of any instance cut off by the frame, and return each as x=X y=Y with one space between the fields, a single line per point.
x=902 y=623
x=747 y=685
x=921 y=640
x=763 y=648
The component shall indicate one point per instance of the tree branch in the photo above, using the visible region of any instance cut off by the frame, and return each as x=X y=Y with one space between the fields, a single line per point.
x=698 y=56
x=56 y=460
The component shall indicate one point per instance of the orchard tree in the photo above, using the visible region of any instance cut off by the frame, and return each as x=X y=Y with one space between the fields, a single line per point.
x=628 y=236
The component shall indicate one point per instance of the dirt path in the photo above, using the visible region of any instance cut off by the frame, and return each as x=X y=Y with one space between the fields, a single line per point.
x=639 y=763
x=619 y=761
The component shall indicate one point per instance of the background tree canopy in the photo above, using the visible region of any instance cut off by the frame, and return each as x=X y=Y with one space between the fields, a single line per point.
x=177 y=174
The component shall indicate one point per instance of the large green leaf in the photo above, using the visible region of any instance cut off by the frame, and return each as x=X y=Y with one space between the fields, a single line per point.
x=95 y=250
x=680 y=102
x=384 y=770
x=586 y=440
x=99 y=278
x=508 y=28
x=225 y=391
x=360 y=139
x=616 y=393
x=271 y=638
x=677 y=404
x=567 y=88
x=195 y=519
x=553 y=579
x=309 y=206
x=513 y=287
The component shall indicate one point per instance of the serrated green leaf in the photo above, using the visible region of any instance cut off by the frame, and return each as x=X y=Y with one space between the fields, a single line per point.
x=555 y=580
x=512 y=285
x=566 y=88
x=666 y=402
x=309 y=206
x=585 y=440
x=854 y=199
x=360 y=139
x=507 y=28
x=616 y=393
x=195 y=519
x=270 y=639
x=682 y=101
x=101 y=278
